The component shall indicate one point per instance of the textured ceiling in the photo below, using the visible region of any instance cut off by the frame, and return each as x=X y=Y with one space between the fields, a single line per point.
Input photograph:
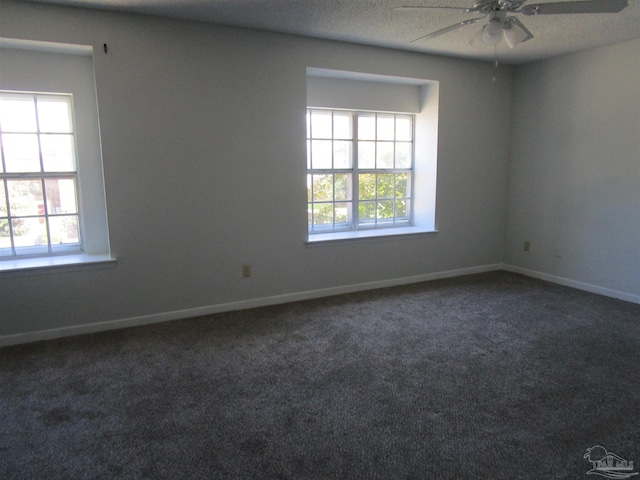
x=375 y=22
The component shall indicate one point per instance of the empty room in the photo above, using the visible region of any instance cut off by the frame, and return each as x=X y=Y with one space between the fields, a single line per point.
x=305 y=239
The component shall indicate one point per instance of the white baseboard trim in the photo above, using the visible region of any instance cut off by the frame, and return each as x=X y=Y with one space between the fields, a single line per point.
x=608 y=292
x=54 y=333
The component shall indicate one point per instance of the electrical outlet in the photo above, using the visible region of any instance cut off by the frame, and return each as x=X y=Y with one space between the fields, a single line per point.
x=246 y=271
x=527 y=246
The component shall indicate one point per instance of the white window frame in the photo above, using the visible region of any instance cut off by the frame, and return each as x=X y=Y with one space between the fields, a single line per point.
x=45 y=216
x=353 y=201
x=42 y=67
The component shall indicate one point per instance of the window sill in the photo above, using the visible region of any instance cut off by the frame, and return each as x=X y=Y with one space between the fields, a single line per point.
x=42 y=264
x=319 y=239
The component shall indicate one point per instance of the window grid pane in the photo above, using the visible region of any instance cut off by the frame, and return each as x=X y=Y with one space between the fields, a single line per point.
x=39 y=212
x=359 y=169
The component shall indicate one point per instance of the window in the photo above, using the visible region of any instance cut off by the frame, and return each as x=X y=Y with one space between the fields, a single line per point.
x=52 y=194
x=38 y=175
x=372 y=148
x=359 y=170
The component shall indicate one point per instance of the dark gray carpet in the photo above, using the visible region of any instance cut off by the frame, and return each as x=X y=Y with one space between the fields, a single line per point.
x=492 y=376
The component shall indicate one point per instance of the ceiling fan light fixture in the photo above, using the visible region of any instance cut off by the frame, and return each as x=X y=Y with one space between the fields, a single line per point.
x=513 y=34
x=492 y=32
x=477 y=41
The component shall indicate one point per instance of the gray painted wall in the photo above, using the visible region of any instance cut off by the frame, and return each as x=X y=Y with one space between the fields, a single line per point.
x=574 y=188
x=204 y=157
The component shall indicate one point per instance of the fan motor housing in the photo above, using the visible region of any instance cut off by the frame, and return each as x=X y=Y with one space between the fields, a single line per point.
x=510 y=5
x=486 y=6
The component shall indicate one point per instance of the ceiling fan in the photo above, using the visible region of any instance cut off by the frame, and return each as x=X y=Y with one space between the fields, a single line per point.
x=502 y=24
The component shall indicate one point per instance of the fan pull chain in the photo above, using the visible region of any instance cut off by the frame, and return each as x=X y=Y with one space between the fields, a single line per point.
x=495 y=66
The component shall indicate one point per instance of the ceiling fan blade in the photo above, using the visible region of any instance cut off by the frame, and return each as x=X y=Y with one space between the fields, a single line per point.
x=584 y=6
x=447 y=29
x=424 y=7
